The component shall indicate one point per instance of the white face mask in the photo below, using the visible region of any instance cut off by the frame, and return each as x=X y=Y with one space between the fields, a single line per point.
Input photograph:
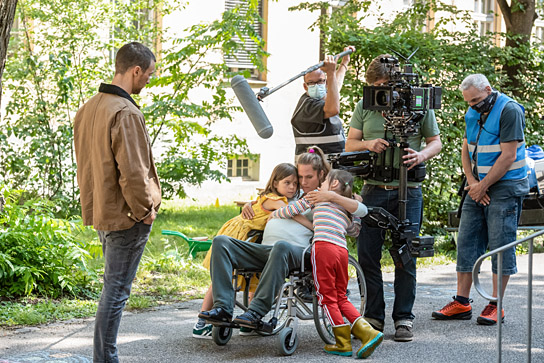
x=317 y=91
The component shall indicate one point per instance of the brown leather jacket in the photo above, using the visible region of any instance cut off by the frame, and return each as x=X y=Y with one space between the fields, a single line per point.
x=116 y=173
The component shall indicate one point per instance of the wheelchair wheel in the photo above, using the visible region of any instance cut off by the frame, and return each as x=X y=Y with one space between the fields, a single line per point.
x=221 y=334
x=282 y=316
x=284 y=341
x=356 y=285
x=356 y=294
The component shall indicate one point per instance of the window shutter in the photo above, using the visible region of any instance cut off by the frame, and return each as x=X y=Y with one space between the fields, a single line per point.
x=241 y=58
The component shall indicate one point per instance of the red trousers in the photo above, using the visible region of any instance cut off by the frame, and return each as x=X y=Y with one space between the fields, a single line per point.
x=330 y=269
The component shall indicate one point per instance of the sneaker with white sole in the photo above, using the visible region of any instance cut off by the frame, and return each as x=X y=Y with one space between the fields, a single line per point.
x=244 y=331
x=201 y=330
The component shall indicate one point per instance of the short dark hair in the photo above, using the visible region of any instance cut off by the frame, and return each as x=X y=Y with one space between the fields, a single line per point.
x=133 y=54
x=377 y=70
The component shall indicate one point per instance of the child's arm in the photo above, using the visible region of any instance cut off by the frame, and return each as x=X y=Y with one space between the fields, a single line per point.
x=292 y=209
x=272 y=205
x=351 y=205
x=354 y=228
x=277 y=204
x=304 y=221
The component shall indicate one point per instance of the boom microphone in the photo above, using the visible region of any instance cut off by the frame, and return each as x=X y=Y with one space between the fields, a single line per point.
x=250 y=101
x=251 y=106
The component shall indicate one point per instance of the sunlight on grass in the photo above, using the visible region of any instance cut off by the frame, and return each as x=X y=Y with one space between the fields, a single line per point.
x=167 y=273
x=30 y=311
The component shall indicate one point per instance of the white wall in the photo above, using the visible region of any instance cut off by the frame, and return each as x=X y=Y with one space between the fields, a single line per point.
x=293 y=48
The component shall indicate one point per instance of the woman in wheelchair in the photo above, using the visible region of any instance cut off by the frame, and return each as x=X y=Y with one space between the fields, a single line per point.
x=282 y=186
x=331 y=223
x=281 y=251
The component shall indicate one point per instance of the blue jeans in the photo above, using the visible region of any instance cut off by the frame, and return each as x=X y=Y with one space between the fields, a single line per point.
x=369 y=249
x=488 y=227
x=122 y=252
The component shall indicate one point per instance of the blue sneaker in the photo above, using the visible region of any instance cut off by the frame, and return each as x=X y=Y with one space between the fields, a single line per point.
x=201 y=330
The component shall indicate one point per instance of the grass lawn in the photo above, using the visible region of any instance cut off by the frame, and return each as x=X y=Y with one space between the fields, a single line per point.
x=167 y=272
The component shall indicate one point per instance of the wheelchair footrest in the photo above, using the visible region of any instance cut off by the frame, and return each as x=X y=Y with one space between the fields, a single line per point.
x=268 y=327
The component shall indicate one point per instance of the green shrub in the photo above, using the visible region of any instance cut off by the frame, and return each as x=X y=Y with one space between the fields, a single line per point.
x=39 y=254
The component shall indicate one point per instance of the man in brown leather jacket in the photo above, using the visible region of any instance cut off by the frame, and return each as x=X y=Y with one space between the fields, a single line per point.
x=119 y=186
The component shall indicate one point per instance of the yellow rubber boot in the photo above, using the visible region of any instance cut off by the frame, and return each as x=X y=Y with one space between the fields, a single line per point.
x=369 y=337
x=342 y=335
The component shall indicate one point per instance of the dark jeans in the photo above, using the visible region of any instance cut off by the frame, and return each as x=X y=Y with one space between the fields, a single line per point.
x=122 y=252
x=369 y=249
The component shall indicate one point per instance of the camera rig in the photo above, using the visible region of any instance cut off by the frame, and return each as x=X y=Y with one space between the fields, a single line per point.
x=403 y=103
x=404 y=100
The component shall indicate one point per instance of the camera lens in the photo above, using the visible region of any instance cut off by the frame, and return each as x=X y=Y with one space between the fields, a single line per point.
x=382 y=98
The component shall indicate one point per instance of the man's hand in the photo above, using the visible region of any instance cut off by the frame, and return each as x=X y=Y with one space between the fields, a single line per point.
x=413 y=158
x=247 y=211
x=478 y=193
x=357 y=197
x=346 y=58
x=149 y=220
x=329 y=65
x=377 y=145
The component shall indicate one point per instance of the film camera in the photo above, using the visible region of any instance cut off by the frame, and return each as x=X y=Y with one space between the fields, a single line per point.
x=403 y=101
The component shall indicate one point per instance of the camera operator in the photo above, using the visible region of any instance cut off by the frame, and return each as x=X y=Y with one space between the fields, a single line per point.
x=493 y=158
x=367 y=133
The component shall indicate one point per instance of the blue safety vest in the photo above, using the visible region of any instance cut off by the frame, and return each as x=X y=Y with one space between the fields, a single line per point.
x=487 y=145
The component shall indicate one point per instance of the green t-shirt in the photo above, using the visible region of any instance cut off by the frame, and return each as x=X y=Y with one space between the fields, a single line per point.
x=371 y=124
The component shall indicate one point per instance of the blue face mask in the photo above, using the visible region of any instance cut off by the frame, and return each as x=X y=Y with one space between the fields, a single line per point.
x=317 y=91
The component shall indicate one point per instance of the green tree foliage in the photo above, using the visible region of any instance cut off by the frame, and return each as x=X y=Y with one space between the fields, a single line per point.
x=445 y=57
x=64 y=49
x=184 y=126
x=39 y=254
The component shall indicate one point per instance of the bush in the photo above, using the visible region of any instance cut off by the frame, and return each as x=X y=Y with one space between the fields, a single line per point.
x=38 y=253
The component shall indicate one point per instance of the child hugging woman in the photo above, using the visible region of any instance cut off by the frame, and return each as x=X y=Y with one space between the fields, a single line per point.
x=330 y=264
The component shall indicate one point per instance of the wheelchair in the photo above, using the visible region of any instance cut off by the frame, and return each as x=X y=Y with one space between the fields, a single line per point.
x=289 y=307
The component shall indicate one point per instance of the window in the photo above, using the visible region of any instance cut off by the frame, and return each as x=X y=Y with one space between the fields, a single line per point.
x=483 y=16
x=241 y=58
x=243 y=167
x=539 y=35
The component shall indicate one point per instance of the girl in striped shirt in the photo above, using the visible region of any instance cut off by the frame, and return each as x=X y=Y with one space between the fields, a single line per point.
x=330 y=264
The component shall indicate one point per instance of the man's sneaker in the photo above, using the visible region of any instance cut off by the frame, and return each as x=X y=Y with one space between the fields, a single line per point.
x=201 y=330
x=454 y=310
x=249 y=319
x=489 y=315
x=403 y=333
x=247 y=331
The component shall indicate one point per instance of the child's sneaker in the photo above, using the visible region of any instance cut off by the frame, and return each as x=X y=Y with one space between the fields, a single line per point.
x=489 y=315
x=454 y=310
x=244 y=331
x=202 y=330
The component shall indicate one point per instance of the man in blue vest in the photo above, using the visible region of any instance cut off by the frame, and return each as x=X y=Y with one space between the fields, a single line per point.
x=493 y=157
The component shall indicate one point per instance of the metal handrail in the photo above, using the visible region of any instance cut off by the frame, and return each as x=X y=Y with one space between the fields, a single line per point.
x=475 y=271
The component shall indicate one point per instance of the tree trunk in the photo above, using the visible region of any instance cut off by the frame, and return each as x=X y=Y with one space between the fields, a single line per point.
x=7 y=13
x=519 y=19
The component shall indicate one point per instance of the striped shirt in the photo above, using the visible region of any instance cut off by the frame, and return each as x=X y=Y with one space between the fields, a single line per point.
x=331 y=222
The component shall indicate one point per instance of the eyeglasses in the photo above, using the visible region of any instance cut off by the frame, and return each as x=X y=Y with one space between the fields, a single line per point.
x=321 y=81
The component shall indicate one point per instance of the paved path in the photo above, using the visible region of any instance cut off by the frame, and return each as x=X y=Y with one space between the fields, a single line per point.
x=164 y=334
